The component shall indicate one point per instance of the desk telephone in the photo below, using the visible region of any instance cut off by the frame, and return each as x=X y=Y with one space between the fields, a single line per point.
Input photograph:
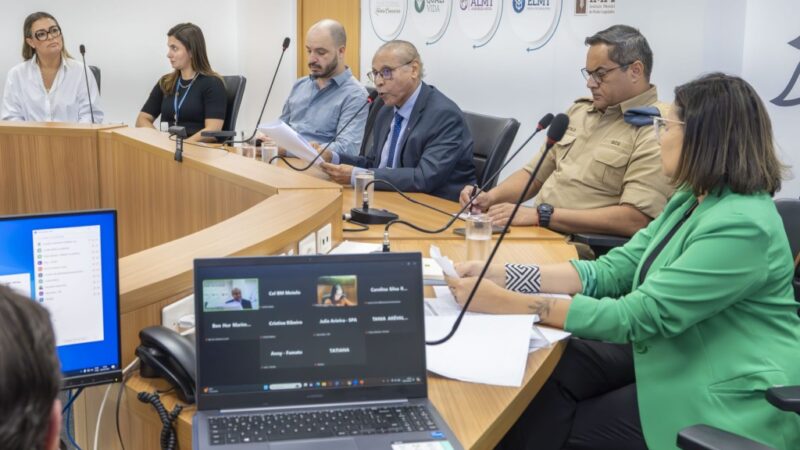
x=166 y=354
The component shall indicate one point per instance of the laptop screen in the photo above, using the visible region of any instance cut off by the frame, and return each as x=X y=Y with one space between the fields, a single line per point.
x=68 y=263
x=275 y=331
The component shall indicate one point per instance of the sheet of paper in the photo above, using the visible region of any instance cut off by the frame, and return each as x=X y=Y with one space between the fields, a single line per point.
x=444 y=262
x=352 y=247
x=285 y=137
x=487 y=348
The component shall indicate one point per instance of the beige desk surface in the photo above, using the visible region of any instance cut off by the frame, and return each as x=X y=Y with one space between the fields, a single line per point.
x=478 y=414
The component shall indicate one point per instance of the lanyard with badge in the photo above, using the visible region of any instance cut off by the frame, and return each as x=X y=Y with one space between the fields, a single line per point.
x=176 y=105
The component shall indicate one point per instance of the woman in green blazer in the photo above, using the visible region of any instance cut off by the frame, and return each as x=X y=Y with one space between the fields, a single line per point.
x=689 y=322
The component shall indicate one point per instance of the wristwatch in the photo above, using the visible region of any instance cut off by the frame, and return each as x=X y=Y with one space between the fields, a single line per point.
x=545 y=211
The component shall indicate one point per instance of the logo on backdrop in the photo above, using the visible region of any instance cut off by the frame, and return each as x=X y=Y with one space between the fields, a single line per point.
x=536 y=21
x=433 y=18
x=479 y=19
x=783 y=98
x=388 y=17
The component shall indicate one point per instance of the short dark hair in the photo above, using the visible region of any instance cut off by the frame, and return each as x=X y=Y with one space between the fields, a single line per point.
x=727 y=138
x=30 y=374
x=627 y=45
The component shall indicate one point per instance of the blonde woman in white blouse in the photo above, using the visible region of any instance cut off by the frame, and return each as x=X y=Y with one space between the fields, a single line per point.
x=49 y=86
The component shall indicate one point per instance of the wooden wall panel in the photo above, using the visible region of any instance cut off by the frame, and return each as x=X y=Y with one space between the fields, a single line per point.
x=47 y=172
x=347 y=12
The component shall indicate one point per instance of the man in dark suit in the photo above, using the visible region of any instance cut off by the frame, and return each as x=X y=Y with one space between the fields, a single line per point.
x=421 y=142
x=236 y=293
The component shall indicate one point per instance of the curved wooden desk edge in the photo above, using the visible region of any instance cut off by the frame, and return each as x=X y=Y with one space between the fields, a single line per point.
x=492 y=435
x=160 y=272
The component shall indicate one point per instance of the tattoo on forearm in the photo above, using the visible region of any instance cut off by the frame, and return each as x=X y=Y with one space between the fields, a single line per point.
x=541 y=306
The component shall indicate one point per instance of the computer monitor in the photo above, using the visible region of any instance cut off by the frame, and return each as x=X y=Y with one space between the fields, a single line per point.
x=68 y=263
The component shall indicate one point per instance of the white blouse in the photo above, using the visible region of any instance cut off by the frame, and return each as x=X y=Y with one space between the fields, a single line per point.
x=26 y=99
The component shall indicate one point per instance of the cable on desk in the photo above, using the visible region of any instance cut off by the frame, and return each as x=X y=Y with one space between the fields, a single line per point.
x=169 y=438
x=126 y=373
x=68 y=409
x=364 y=227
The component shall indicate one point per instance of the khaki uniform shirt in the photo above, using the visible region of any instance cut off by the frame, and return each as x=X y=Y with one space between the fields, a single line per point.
x=603 y=161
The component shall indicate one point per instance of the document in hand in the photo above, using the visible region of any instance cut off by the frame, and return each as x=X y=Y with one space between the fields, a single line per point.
x=285 y=137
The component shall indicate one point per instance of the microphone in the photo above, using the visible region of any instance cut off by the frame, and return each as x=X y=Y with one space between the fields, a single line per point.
x=371 y=98
x=557 y=130
x=544 y=122
x=180 y=134
x=285 y=45
x=86 y=76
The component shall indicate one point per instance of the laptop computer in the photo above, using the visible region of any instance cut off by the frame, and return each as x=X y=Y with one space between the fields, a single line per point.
x=313 y=352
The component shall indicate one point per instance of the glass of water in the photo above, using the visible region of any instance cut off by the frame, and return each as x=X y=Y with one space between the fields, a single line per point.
x=362 y=179
x=479 y=237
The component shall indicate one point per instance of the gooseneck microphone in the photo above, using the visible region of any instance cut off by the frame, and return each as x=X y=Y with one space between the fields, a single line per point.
x=370 y=99
x=557 y=130
x=544 y=122
x=286 y=41
x=86 y=77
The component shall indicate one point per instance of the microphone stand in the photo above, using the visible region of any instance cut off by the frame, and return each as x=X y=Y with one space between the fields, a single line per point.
x=543 y=123
x=519 y=202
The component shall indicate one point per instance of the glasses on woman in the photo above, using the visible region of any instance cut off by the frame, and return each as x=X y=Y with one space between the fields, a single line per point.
x=43 y=35
x=660 y=125
x=386 y=73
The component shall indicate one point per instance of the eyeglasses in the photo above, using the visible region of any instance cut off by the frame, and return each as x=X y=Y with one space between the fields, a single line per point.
x=43 y=35
x=386 y=73
x=600 y=74
x=660 y=125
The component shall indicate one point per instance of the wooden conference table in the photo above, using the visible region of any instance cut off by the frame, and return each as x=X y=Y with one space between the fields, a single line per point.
x=217 y=203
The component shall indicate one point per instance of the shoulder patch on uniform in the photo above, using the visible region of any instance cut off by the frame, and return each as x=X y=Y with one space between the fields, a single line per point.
x=641 y=116
x=583 y=100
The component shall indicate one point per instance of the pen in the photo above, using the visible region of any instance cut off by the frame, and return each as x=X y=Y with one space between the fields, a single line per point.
x=472 y=197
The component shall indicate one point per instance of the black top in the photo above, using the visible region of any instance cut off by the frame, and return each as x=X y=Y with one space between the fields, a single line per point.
x=206 y=100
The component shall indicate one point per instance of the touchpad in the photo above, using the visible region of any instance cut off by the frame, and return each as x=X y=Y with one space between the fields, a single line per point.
x=321 y=444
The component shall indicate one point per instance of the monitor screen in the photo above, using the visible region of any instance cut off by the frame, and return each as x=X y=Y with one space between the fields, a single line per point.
x=309 y=329
x=68 y=263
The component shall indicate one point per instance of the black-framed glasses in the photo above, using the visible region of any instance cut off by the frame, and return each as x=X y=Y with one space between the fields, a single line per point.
x=387 y=73
x=599 y=75
x=43 y=35
x=660 y=126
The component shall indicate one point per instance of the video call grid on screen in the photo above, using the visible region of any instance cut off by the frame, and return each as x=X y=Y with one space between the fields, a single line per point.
x=68 y=263
x=321 y=322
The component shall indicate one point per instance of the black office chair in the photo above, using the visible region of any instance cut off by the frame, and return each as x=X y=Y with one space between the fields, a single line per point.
x=234 y=90
x=785 y=398
x=366 y=142
x=492 y=138
x=96 y=72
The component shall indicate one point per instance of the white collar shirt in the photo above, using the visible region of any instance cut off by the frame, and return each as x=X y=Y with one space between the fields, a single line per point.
x=26 y=99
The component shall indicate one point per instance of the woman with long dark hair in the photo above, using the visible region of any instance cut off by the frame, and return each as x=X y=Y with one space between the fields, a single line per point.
x=192 y=95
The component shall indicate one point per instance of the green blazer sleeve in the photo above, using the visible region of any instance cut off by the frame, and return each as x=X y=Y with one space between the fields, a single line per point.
x=715 y=269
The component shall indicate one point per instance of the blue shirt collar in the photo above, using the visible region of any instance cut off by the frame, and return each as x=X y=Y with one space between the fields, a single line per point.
x=408 y=106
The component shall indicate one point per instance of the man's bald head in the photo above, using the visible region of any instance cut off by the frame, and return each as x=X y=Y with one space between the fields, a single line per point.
x=334 y=29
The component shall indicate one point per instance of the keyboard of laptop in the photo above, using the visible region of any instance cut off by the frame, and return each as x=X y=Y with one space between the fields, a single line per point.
x=318 y=424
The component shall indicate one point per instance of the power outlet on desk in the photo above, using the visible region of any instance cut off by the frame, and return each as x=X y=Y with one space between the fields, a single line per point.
x=172 y=314
x=324 y=239
x=308 y=246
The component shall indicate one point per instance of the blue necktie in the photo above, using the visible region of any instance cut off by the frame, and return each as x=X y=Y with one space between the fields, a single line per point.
x=398 y=121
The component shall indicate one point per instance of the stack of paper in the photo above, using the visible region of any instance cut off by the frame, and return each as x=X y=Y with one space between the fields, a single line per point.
x=285 y=137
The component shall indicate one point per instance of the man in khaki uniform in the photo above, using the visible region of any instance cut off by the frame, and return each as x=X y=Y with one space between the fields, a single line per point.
x=605 y=175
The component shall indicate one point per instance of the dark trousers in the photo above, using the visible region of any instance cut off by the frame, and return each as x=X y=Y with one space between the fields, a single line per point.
x=589 y=402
